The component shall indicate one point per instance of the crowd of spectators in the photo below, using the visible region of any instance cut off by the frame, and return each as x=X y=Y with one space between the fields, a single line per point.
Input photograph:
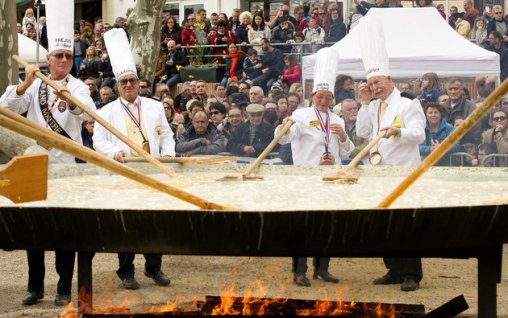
x=261 y=85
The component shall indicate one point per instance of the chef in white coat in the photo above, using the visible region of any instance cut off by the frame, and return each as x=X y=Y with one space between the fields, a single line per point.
x=143 y=121
x=403 y=121
x=318 y=135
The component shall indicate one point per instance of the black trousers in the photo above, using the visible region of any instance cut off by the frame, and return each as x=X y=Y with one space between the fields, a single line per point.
x=64 y=263
x=126 y=266
x=300 y=264
x=404 y=268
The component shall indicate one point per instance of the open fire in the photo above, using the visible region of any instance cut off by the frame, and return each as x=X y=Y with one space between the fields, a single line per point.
x=228 y=305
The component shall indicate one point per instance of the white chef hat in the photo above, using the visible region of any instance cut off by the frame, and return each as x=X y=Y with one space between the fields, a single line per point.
x=372 y=46
x=60 y=25
x=325 y=70
x=120 y=53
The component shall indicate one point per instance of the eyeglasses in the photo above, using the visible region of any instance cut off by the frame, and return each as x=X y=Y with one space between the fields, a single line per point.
x=498 y=12
x=143 y=86
x=61 y=56
x=322 y=13
x=191 y=19
x=132 y=81
x=215 y=112
x=500 y=118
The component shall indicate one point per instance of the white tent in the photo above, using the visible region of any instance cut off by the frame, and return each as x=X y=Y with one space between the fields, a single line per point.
x=27 y=49
x=418 y=40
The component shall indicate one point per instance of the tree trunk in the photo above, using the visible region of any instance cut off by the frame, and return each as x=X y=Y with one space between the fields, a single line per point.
x=144 y=25
x=13 y=144
x=8 y=44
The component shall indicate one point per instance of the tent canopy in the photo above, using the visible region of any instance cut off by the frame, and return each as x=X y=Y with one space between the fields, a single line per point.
x=418 y=40
x=27 y=50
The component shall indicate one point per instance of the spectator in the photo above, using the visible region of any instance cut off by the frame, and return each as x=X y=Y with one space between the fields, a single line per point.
x=30 y=31
x=497 y=136
x=270 y=114
x=281 y=101
x=145 y=88
x=463 y=27
x=234 y=20
x=19 y=28
x=239 y=100
x=459 y=106
x=202 y=22
x=452 y=18
x=222 y=37
x=244 y=88
x=87 y=35
x=299 y=18
x=424 y=3
x=87 y=133
x=106 y=76
x=256 y=95
x=430 y=89
x=364 y=6
x=175 y=59
x=349 y=114
x=272 y=65
x=250 y=72
x=335 y=27
x=258 y=30
x=79 y=52
x=496 y=45
x=214 y=19
x=292 y=71
x=98 y=31
x=90 y=65
x=106 y=96
x=441 y=9
x=479 y=32
x=43 y=32
x=297 y=47
x=188 y=35
x=283 y=33
x=233 y=121
x=234 y=65
x=193 y=91
x=253 y=136
x=201 y=138
x=283 y=12
x=224 y=17
x=201 y=93
x=436 y=130
x=483 y=151
x=99 y=46
x=219 y=93
x=344 y=88
x=94 y=92
x=242 y=30
x=470 y=12
x=170 y=112
x=499 y=22
x=28 y=18
x=217 y=113
x=406 y=87
x=171 y=31
x=294 y=102
x=193 y=106
x=161 y=91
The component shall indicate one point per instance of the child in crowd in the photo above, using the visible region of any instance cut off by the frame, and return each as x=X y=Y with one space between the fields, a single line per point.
x=249 y=70
x=28 y=18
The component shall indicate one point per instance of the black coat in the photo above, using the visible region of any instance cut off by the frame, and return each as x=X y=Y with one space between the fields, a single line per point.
x=179 y=59
x=241 y=137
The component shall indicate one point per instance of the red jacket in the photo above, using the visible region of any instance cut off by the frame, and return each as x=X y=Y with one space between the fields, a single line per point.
x=292 y=75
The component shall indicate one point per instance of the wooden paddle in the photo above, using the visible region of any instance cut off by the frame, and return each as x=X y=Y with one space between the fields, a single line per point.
x=191 y=160
x=253 y=166
x=23 y=126
x=99 y=120
x=25 y=179
x=441 y=150
x=347 y=175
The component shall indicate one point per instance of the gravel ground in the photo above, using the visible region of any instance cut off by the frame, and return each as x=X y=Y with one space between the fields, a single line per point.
x=193 y=277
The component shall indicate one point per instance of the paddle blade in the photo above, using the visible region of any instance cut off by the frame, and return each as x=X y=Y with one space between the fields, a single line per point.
x=25 y=179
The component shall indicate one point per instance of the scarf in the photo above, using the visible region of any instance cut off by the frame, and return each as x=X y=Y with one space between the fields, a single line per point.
x=234 y=64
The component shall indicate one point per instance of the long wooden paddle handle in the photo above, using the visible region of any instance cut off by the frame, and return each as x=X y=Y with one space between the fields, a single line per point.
x=452 y=139
x=269 y=148
x=100 y=120
x=21 y=125
x=192 y=160
x=365 y=150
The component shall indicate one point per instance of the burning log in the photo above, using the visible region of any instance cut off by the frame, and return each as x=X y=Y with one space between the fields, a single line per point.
x=251 y=306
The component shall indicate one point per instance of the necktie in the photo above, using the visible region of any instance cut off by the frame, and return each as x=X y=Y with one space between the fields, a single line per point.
x=384 y=106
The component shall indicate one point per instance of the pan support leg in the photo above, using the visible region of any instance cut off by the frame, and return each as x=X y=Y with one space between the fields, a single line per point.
x=85 y=293
x=489 y=274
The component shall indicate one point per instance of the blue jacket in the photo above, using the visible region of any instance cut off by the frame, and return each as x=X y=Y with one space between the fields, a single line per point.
x=444 y=130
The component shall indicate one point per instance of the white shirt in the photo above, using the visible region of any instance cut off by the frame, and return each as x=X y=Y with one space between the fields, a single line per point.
x=70 y=121
x=398 y=151
x=308 y=140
